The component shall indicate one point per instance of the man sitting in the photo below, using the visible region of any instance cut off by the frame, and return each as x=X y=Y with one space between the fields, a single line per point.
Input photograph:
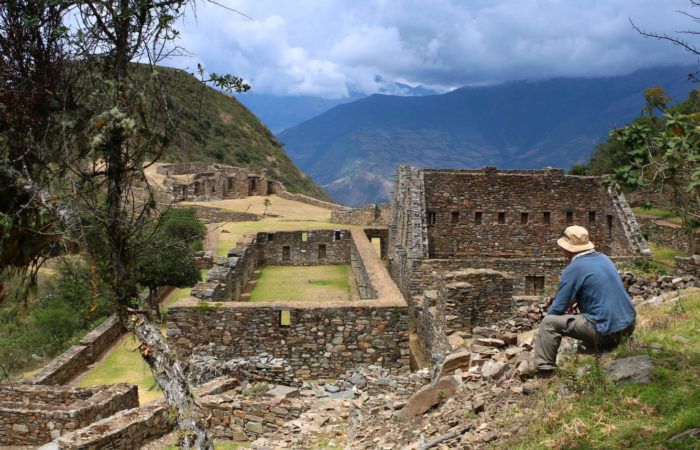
x=592 y=283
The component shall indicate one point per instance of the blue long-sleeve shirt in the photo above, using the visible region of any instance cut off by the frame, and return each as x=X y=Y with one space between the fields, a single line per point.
x=594 y=282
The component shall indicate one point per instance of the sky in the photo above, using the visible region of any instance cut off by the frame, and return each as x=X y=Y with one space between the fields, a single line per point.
x=330 y=48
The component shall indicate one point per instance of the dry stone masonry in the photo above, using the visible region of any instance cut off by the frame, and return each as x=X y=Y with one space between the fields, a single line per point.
x=504 y=223
x=36 y=414
x=313 y=338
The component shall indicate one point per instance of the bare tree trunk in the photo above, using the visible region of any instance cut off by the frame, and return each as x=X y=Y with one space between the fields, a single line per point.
x=171 y=377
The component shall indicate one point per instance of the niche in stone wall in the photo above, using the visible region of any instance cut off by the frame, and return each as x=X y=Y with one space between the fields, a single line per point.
x=322 y=251
x=534 y=285
x=285 y=253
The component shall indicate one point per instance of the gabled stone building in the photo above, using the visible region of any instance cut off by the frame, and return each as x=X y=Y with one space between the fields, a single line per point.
x=506 y=221
x=206 y=181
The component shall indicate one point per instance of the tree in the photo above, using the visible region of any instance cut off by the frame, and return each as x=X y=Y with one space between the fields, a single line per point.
x=166 y=263
x=662 y=155
x=97 y=120
x=665 y=161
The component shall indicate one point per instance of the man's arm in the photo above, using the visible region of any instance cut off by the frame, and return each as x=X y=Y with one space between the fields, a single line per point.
x=565 y=294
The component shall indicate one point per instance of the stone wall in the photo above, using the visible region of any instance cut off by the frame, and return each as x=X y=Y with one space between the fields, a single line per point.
x=491 y=213
x=210 y=214
x=375 y=215
x=125 y=430
x=365 y=288
x=203 y=182
x=73 y=361
x=304 y=248
x=668 y=234
x=460 y=301
x=246 y=419
x=323 y=339
x=228 y=277
x=688 y=265
x=35 y=415
x=277 y=188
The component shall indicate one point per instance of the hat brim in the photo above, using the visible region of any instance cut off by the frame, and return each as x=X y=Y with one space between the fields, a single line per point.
x=568 y=246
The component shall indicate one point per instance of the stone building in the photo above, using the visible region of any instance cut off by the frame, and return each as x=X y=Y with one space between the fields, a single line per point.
x=207 y=181
x=506 y=221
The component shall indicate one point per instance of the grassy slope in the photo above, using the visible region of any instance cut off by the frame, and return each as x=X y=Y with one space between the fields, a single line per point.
x=657 y=214
x=600 y=415
x=308 y=283
x=215 y=127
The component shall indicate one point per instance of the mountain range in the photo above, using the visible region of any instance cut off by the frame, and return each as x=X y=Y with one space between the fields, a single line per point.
x=353 y=149
x=280 y=112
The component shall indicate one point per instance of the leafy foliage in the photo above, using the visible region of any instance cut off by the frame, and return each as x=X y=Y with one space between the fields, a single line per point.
x=662 y=155
x=167 y=263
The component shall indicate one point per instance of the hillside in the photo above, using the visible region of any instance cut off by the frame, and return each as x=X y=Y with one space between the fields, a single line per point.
x=353 y=149
x=215 y=127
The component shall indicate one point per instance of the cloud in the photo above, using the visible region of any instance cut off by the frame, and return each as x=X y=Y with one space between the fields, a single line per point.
x=327 y=48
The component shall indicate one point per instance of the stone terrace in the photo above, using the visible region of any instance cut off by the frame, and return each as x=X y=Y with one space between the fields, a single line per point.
x=37 y=414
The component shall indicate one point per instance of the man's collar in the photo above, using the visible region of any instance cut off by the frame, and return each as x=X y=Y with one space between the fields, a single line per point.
x=587 y=252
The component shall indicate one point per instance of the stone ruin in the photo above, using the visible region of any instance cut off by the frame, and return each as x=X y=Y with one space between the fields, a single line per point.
x=314 y=338
x=464 y=250
x=497 y=229
x=204 y=181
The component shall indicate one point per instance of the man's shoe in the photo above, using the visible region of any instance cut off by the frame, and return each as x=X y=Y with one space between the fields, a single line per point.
x=544 y=374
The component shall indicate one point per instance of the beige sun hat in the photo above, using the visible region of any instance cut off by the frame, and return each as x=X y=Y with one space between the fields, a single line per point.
x=575 y=239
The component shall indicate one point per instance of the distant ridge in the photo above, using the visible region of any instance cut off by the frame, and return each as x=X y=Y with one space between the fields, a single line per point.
x=353 y=149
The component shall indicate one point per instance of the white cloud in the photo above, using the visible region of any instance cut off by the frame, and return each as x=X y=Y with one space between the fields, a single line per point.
x=327 y=47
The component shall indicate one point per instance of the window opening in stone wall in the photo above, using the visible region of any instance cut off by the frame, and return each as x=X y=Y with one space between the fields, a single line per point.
x=591 y=216
x=270 y=237
x=230 y=184
x=377 y=246
x=285 y=253
x=337 y=236
x=547 y=217
x=569 y=217
x=285 y=318
x=534 y=285
x=304 y=237
x=213 y=188
x=321 y=251
x=455 y=217
x=501 y=217
x=524 y=217
x=432 y=217
x=610 y=225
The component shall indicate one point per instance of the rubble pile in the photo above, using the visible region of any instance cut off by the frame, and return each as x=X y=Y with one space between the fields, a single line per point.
x=645 y=290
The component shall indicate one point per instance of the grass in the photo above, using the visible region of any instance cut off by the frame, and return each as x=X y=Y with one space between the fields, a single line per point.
x=279 y=206
x=122 y=365
x=657 y=213
x=305 y=283
x=665 y=255
x=232 y=232
x=598 y=414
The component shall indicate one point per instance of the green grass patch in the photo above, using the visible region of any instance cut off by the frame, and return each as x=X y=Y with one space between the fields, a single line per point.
x=599 y=414
x=665 y=255
x=302 y=283
x=124 y=365
x=236 y=230
x=657 y=213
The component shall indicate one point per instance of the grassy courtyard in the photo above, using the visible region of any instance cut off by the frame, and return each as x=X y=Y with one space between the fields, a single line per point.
x=302 y=283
